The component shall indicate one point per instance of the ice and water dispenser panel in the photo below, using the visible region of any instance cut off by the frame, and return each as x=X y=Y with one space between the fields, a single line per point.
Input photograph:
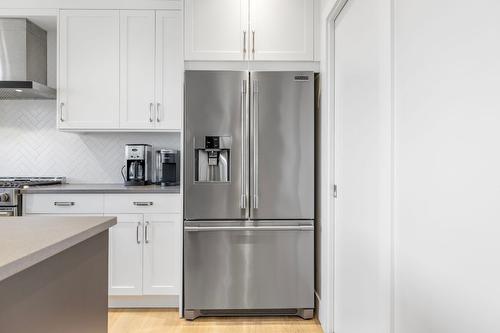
x=212 y=159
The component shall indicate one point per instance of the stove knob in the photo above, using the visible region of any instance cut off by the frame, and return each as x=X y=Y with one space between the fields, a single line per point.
x=4 y=197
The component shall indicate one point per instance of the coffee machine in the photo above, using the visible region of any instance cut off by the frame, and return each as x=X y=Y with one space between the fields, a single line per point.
x=167 y=167
x=138 y=164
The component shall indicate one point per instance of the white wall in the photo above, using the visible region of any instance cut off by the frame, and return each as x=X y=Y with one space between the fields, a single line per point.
x=447 y=166
x=31 y=146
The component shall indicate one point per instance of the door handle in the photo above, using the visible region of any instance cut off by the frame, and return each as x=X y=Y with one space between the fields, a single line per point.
x=243 y=198
x=146 y=233
x=61 y=109
x=151 y=106
x=250 y=228
x=255 y=125
x=158 y=112
x=137 y=232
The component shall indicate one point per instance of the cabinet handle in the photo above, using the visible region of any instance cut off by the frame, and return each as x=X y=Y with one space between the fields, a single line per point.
x=253 y=44
x=244 y=44
x=151 y=106
x=143 y=203
x=137 y=233
x=146 y=232
x=64 y=203
x=158 y=112
x=61 y=107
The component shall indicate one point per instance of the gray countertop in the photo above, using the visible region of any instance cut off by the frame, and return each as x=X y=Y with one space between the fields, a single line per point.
x=101 y=188
x=26 y=241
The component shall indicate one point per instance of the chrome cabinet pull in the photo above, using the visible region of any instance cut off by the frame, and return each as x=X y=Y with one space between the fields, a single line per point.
x=158 y=112
x=137 y=232
x=243 y=199
x=151 y=106
x=244 y=43
x=146 y=232
x=61 y=109
x=143 y=203
x=255 y=144
x=253 y=44
x=64 y=203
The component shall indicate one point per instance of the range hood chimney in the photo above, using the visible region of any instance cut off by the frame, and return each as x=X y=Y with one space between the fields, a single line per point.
x=23 y=60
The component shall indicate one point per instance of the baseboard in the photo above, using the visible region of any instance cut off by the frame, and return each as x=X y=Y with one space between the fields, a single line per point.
x=143 y=301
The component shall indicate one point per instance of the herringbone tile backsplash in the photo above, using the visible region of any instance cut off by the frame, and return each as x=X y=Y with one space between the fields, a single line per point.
x=30 y=145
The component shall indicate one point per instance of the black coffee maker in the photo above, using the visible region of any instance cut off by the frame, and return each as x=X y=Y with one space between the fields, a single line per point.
x=138 y=166
x=167 y=171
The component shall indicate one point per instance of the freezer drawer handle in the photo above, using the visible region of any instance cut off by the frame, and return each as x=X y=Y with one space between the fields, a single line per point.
x=143 y=203
x=262 y=228
x=64 y=203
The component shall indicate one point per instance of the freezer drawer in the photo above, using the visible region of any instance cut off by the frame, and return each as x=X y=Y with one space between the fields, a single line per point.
x=248 y=265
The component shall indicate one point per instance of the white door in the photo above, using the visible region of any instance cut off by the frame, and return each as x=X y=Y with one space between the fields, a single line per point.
x=137 y=69
x=282 y=30
x=216 y=29
x=89 y=82
x=125 y=255
x=169 y=70
x=362 y=256
x=162 y=253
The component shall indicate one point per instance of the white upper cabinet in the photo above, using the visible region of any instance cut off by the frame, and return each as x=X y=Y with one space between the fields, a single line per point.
x=89 y=70
x=121 y=70
x=272 y=30
x=137 y=69
x=216 y=29
x=169 y=70
x=282 y=30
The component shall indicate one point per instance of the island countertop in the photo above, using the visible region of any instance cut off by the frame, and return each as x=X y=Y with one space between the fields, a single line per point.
x=26 y=241
x=99 y=188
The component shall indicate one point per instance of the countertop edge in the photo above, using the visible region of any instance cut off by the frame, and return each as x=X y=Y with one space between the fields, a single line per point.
x=36 y=257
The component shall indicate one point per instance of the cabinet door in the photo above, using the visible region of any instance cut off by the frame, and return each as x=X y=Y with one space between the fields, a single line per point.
x=215 y=29
x=169 y=70
x=137 y=69
x=282 y=30
x=162 y=254
x=89 y=69
x=125 y=255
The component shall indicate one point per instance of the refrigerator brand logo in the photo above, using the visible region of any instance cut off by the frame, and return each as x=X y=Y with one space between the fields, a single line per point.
x=301 y=78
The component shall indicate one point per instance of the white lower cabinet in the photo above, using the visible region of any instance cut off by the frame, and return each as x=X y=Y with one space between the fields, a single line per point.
x=145 y=252
x=125 y=255
x=161 y=265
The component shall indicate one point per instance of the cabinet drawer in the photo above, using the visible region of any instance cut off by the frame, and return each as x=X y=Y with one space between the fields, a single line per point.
x=64 y=203
x=142 y=203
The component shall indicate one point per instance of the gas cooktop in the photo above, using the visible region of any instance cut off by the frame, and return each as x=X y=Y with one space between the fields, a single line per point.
x=20 y=182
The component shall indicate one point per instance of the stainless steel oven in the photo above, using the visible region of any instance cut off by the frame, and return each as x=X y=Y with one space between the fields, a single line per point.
x=11 y=189
x=8 y=211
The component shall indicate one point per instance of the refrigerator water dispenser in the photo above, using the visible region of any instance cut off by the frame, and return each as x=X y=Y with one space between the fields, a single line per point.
x=212 y=159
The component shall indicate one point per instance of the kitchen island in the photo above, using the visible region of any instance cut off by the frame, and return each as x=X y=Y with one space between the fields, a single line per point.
x=54 y=274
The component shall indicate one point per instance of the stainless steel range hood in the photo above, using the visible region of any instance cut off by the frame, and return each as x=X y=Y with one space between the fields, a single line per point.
x=23 y=60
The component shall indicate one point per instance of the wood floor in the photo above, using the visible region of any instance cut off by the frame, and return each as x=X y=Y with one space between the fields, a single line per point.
x=167 y=321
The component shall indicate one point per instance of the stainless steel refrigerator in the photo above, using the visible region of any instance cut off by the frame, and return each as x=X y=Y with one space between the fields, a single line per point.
x=249 y=193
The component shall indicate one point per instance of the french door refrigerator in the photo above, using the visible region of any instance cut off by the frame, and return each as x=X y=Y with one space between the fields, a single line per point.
x=249 y=193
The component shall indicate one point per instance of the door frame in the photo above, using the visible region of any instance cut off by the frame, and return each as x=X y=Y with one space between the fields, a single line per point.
x=330 y=11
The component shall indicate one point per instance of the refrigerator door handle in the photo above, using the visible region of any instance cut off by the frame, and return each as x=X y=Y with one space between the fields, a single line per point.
x=243 y=199
x=255 y=106
x=252 y=228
